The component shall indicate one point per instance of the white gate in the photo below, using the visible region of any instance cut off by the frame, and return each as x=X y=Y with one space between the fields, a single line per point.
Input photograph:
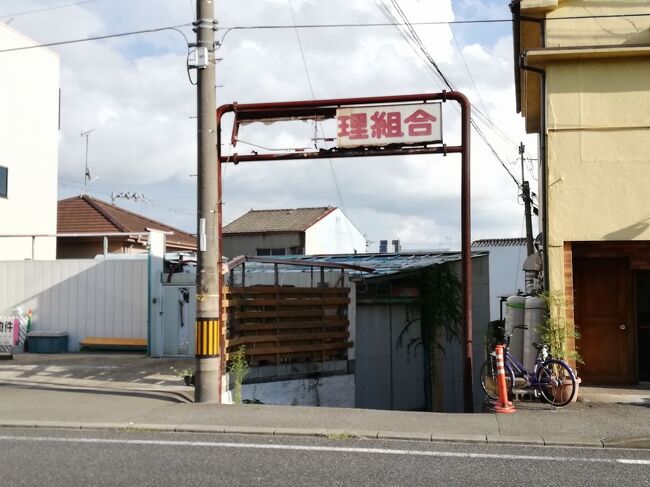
x=179 y=312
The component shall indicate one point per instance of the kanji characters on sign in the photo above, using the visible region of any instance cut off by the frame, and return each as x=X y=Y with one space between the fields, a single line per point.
x=384 y=125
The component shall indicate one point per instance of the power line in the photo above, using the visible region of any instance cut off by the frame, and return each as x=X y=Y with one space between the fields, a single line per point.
x=312 y=26
x=97 y=38
x=419 y=47
x=67 y=182
x=46 y=9
x=469 y=73
x=432 y=22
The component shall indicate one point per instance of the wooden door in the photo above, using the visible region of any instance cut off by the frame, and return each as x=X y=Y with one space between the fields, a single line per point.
x=602 y=299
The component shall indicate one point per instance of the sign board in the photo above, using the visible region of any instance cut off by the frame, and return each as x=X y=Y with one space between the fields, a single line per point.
x=377 y=126
x=7 y=332
x=6 y=337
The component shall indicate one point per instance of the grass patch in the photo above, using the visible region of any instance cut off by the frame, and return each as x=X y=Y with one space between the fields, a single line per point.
x=341 y=435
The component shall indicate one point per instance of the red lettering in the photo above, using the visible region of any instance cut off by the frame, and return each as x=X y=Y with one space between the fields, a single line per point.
x=387 y=125
x=420 y=123
x=358 y=126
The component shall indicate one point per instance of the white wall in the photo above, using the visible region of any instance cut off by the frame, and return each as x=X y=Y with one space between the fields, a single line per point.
x=334 y=234
x=29 y=120
x=506 y=276
x=334 y=391
x=82 y=297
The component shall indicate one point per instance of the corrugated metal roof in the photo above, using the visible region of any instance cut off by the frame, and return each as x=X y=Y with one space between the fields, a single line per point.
x=83 y=214
x=499 y=242
x=270 y=221
x=383 y=264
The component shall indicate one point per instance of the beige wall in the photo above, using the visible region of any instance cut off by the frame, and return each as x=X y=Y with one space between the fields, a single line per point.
x=598 y=153
x=597 y=31
x=597 y=125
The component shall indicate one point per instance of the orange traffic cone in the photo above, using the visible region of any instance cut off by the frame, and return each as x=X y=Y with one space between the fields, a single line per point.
x=502 y=405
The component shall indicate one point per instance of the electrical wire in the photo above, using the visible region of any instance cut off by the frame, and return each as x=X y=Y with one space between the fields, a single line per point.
x=337 y=187
x=469 y=73
x=283 y=149
x=67 y=182
x=175 y=28
x=313 y=26
x=419 y=47
x=46 y=9
x=433 y=22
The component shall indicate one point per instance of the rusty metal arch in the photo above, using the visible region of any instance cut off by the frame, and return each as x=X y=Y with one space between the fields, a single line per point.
x=324 y=109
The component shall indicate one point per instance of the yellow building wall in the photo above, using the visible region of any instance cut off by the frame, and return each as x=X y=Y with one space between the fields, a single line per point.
x=598 y=128
x=596 y=31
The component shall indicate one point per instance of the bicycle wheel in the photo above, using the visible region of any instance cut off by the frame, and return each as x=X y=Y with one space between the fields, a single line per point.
x=488 y=376
x=556 y=383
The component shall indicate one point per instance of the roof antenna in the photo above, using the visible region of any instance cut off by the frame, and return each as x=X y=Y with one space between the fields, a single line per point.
x=87 y=177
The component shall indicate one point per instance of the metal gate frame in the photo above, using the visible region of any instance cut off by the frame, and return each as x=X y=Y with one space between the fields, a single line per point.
x=326 y=109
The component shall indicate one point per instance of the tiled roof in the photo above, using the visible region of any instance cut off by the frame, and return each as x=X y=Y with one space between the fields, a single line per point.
x=499 y=242
x=273 y=221
x=85 y=214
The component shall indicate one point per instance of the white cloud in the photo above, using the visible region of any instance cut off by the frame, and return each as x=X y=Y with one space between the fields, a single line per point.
x=134 y=91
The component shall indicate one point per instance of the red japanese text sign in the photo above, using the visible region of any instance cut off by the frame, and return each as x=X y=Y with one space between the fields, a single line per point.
x=384 y=125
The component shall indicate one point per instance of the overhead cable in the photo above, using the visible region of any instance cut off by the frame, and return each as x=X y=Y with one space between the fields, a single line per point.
x=97 y=38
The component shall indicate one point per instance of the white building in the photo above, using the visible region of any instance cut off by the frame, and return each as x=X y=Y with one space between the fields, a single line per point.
x=507 y=256
x=29 y=133
x=296 y=231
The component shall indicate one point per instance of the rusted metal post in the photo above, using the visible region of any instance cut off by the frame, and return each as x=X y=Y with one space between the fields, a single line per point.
x=466 y=245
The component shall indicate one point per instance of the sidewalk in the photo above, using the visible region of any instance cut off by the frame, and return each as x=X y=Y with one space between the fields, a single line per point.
x=112 y=372
x=97 y=391
x=581 y=424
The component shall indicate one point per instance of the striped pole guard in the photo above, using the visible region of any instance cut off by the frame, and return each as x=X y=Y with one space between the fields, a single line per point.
x=501 y=369
x=207 y=337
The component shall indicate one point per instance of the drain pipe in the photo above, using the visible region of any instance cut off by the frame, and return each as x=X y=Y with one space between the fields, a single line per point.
x=520 y=59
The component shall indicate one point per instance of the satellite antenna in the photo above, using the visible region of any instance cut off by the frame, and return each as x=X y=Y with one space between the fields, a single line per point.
x=87 y=177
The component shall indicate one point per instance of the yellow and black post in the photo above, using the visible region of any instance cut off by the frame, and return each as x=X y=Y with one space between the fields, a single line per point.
x=207 y=338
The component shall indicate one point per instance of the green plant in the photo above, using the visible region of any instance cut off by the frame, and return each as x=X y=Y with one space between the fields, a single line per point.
x=439 y=307
x=338 y=435
x=554 y=330
x=238 y=368
x=439 y=313
x=181 y=373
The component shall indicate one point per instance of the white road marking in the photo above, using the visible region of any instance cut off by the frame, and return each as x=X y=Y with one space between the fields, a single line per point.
x=332 y=449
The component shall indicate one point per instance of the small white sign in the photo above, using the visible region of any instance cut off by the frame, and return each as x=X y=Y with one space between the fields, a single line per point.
x=393 y=124
x=6 y=332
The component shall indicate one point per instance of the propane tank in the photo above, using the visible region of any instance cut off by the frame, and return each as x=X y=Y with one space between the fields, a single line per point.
x=515 y=317
x=534 y=314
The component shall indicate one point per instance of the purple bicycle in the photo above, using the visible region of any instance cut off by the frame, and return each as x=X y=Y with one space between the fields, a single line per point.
x=552 y=378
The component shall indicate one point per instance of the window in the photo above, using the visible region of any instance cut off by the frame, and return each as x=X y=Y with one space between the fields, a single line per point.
x=4 y=176
x=265 y=252
x=297 y=250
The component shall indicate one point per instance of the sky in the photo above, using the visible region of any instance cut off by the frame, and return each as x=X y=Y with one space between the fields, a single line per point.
x=135 y=93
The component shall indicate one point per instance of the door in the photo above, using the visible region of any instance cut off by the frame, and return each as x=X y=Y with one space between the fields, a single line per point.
x=179 y=310
x=602 y=299
x=643 y=324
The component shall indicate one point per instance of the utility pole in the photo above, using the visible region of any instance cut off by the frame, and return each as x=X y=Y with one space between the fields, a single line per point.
x=209 y=278
x=525 y=193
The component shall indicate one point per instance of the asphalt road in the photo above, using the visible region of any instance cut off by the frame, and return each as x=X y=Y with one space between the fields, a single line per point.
x=35 y=457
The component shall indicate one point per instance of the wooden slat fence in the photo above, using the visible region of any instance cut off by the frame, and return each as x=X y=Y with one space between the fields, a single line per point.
x=284 y=324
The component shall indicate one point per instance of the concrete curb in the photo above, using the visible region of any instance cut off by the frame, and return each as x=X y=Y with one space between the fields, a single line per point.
x=535 y=440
